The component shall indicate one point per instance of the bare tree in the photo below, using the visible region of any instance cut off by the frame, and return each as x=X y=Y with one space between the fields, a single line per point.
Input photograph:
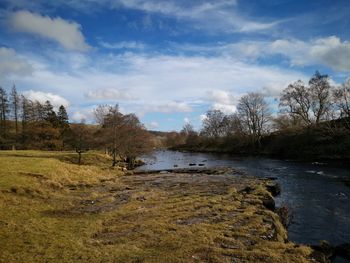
x=312 y=103
x=15 y=101
x=81 y=138
x=296 y=100
x=283 y=122
x=136 y=140
x=4 y=109
x=254 y=114
x=213 y=124
x=187 y=129
x=101 y=112
x=111 y=120
x=342 y=98
x=123 y=135
x=25 y=114
x=190 y=136
x=320 y=90
x=232 y=125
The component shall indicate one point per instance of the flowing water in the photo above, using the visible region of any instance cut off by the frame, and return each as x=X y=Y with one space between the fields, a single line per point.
x=315 y=193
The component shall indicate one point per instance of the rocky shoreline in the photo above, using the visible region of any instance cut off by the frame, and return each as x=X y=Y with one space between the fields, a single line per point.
x=324 y=252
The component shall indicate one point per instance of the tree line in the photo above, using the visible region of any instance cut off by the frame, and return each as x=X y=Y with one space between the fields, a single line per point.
x=301 y=106
x=28 y=124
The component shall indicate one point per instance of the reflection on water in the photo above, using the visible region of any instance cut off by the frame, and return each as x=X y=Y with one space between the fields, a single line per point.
x=314 y=191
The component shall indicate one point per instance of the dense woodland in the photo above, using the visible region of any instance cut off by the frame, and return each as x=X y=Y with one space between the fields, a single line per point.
x=27 y=124
x=313 y=121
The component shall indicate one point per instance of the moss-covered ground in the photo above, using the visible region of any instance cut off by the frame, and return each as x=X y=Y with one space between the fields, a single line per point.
x=52 y=210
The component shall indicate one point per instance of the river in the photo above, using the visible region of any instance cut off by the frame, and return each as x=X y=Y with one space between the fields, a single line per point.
x=314 y=192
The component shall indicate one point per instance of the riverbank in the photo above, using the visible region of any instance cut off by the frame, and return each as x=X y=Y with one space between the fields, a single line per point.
x=55 y=211
x=329 y=141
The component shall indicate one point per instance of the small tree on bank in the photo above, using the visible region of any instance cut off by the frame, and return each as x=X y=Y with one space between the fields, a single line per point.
x=81 y=138
x=123 y=135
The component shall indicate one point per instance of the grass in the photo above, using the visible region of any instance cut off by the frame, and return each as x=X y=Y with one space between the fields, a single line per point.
x=52 y=210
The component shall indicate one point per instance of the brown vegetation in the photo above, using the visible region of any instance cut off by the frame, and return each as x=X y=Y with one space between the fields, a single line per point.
x=54 y=211
x=26 y=124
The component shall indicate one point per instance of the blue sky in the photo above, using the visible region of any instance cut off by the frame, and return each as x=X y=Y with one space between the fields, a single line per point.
x=168 y=61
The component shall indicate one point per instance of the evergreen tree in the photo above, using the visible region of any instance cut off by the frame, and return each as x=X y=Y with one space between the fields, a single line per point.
x=62 y=117
x=50 y=114
x=63 y=124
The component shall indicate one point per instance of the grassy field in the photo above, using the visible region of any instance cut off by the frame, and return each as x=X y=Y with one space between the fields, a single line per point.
x=52 y=210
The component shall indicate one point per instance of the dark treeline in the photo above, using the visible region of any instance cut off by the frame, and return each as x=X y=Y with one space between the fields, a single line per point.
x=27 y=124
x=313 y=121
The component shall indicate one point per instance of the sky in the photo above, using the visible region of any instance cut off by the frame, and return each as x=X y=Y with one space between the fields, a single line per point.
x=168 y=61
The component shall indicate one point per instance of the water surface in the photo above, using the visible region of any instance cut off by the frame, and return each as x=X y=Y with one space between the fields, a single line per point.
x=314 y=192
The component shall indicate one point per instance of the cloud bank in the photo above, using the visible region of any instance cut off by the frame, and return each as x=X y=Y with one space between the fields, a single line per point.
x=67 y=33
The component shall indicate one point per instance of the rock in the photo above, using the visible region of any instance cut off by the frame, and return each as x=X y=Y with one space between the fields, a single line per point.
x=191 y=164
x=269 y=204
x=319 y=257
x=175 y=165
x=201 y=164
x=284 y=215
x=325 y=248
x=343 y=250
x=274 y=189
x=347 y=183
x=318 y=163
x=247 y=190
x=87 y=202
x=141 y=198
x=273 y=178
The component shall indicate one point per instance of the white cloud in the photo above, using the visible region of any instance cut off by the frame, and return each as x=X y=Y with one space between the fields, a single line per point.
x=223 y=100
x=333 y=52
x=222 y=97
x=170 y=107
x=110 y=94
x=79 y=116
x=12 y=64
x=225 y=108
x=214 y=15
x=42 y=97
x=203 y=117
x=66 y=33
x=123 y=45
x=161 y=83
x=153 y=125
x=186 y=120
x=328 y=51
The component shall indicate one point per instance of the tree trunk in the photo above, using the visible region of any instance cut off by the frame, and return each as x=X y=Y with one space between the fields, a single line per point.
x=114 y=158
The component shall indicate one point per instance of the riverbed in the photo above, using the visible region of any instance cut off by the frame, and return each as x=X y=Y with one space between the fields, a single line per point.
x=315 y=193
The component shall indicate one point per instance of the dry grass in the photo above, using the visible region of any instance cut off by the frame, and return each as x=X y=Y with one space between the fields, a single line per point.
x=55 y=211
